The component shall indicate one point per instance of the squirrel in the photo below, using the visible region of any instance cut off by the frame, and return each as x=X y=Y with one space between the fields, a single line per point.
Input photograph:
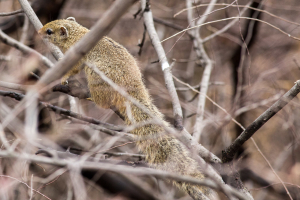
x=162 y=151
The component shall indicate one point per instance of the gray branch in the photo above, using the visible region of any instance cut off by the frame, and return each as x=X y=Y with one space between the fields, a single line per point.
x=23 y=48
x=148 y=20
x=11 y=13
x=229 y=153
x=122 y=169
x=38 y=25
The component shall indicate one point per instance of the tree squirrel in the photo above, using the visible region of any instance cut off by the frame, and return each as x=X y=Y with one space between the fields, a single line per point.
x=162 y=152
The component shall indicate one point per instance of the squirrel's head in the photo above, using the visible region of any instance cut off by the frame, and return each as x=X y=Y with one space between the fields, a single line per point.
x=58 y=32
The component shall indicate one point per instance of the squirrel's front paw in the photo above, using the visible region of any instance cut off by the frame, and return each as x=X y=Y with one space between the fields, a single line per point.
x=64 y=80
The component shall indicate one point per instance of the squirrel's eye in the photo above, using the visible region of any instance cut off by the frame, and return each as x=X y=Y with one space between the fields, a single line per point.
x=49 y=31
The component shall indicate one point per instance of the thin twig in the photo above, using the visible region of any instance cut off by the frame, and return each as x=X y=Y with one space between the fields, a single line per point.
x=261 y=153
x=231 y=18
x=38 y=25
x=23 y=37
x=5 y=176
x=256 y=105
x=212 y=101
x=225 y=28
x=63 y=111
x=202 y=55
x=11 y=13
x=23 y=48
x=241 y=6
x=168 y=24
x=198 y=86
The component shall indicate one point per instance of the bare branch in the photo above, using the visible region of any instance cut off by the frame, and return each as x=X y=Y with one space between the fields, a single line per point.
x=256 y=105
x=247 y=6
x=38 y=25
x=11 y=13
x=212 y=101
x=198 y=86
x=230 y=24
x=278 y=177
x=72 y=91
x=13 y=86
x=23 y=48
x=202 y=55
x=63 y=111
x=148 y=20
x=5 y=58
x=168 y=24
x=229 y=153
x=25 y=185
x=231 y=18
x=123 y=169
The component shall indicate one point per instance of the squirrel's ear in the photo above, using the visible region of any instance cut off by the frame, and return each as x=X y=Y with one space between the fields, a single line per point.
x=64 y=32
x=71 y=19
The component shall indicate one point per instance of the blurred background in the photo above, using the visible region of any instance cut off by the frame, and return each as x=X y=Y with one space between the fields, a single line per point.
x=244 y=80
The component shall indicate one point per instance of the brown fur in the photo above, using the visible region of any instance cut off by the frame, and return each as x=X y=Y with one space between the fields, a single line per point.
x=163 y=152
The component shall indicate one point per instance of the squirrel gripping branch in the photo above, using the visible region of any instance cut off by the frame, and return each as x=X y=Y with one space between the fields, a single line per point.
x=162 y=151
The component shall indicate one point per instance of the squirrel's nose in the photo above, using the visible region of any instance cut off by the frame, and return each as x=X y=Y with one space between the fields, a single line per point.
x=40 y=32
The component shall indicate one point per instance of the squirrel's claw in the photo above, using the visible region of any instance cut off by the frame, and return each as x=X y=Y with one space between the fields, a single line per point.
x=64 y=80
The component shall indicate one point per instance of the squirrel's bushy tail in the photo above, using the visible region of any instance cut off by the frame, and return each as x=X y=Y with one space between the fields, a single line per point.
x=165 y=152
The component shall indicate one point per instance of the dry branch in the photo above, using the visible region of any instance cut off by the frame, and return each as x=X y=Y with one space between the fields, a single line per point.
x=38 y=25
x=207 y=64
x=229 y=153
x=168 y=24
x=232 y=18
x=122 y=169
x=23 y=48
x=230 y=24
x=148 y=20
x=11 y=13
x=63 y=111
